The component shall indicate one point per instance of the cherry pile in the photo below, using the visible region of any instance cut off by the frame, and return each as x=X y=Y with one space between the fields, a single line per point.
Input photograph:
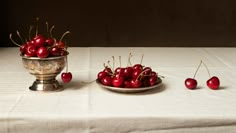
x=132 y=76
x=213 y=82
x=41 y=46
x=44 y=46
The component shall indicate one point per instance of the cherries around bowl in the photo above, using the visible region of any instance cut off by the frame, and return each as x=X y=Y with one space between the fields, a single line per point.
x=136 y=76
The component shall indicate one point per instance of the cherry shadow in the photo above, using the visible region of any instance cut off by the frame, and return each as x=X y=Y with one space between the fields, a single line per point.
x=223 y=87
x=74 y=85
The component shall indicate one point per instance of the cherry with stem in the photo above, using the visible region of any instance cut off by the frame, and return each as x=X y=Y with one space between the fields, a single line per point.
x=191 y=83
x=214 y=82
x=66 y=76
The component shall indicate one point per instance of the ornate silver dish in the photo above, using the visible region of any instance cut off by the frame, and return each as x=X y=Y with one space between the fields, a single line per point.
x=45 y=70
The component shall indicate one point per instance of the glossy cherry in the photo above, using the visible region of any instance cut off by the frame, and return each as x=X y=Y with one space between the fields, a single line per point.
x=190 y=83
x=23 y=48
x=39 y=40
x=152 y=80
x=136 y=73
x=49 y=42
x=66 y=77
x=136 y=83
x=119 y=70
x=54 y=51
x=42 y=52
x=213 y=83
x=127 y=84
x=128 y=72
x=117 y=80
x=107 y=81
x=107 y=70
x=147 y=71
x=137 y=66
x=102 y=75
x=31 y=51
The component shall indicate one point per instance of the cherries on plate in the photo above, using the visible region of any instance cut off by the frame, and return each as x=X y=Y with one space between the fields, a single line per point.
x=132 y=76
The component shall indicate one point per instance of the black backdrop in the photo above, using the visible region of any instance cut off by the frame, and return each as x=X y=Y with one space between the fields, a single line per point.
x=125 y=22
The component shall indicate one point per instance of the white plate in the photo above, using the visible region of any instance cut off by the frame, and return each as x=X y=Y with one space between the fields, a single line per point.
x=129 y=90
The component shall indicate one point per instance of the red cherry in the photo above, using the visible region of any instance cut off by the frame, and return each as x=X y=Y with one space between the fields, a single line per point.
x=42 y=52
x=119 y=70
x=23 y=48
x=127 y=84
x=153 y=73
x=66 y=77
x=136 y=73
x=31 y=42
x=190 y=83
x=62 y=52
x=128 y=72
x=107 y=81
x=107 y=70
x=136 y=83
x=152 y=80
x=118 y=81
x=54 y=51
x=147 y=71
x=102 y=75
x=137 y=66
x=30 y=51
x=60 y=44
x=49 y=42
x=39 y=40
x=213 y=83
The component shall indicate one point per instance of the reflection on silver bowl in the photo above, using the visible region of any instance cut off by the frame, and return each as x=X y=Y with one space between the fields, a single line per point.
x=45 y=70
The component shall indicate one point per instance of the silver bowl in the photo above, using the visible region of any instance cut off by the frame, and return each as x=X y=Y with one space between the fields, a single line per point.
x=45 y=70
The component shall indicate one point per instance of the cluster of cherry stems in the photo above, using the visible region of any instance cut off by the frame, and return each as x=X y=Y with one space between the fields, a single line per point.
x=213 y=83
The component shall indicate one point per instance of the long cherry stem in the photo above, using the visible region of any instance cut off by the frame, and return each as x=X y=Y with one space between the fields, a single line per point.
x=47 y=28
x=10 y=36
x=113 y=61
x=207 y=69
x=51 y=31
x=141 y=59
x=30 y=29
x=18 y=33
x=120 y=60
x=67 y=32
x=197 y=69
x=37 y=26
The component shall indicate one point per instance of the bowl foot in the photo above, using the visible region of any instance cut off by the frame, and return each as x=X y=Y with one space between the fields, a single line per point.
x=46 y=85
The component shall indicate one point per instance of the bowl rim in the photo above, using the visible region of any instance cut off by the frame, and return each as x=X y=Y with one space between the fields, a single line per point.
x=48 y=58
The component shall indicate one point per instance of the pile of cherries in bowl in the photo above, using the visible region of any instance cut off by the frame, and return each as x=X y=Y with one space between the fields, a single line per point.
x=135 y=76
x=43 y=46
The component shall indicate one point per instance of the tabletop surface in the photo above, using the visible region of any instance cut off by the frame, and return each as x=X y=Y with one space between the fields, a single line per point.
x=85 y=107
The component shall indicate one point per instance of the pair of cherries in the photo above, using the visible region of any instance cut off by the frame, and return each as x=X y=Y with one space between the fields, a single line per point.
x=213 y=83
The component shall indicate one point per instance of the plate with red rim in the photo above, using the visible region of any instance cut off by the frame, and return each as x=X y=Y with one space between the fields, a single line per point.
x=130 y=90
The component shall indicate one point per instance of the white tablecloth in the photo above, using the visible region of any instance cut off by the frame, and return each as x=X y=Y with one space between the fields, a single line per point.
x=88 y=108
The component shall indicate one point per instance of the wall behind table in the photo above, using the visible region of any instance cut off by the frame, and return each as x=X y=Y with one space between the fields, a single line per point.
x=126 y=22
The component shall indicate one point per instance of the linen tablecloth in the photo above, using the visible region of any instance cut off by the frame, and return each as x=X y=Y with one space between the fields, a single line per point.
x=84 y=107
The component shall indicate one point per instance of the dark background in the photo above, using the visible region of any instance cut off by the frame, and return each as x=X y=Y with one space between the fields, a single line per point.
x=125 y=22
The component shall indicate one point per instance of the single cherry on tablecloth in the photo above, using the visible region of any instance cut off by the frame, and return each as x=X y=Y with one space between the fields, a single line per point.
x=191 y=83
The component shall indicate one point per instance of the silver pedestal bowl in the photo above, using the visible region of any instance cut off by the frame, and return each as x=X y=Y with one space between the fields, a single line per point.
x=45 y=70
